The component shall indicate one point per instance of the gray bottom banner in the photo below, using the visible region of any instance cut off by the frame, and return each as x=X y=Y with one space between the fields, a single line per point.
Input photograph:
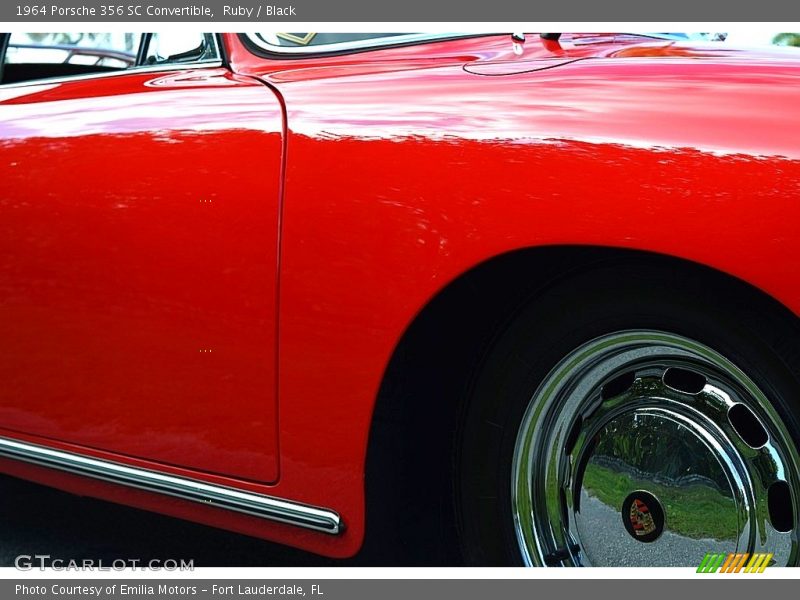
x=396 y=589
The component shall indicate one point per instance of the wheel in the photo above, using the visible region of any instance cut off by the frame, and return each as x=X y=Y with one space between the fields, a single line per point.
x=634 y=416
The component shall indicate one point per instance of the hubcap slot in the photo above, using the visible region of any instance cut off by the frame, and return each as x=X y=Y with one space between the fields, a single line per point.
x=684 y=380
x=780 y=506
x=747 y=425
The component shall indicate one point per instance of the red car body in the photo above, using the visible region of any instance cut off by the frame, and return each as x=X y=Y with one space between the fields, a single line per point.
x=205 y=272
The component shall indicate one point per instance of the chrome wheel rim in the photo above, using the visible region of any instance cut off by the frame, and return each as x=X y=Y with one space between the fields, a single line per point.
x=652 y=449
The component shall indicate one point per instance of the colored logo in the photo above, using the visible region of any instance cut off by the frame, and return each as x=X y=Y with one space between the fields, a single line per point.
x=734 y=563
x=643 y=516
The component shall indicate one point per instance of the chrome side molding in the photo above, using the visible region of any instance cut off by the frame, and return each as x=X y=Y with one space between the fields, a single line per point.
x=259 y=505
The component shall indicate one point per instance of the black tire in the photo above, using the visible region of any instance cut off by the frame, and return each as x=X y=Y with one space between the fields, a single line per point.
x=749 y=329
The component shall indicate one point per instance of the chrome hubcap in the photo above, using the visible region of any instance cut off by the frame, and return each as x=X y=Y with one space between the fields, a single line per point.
x=647 y=448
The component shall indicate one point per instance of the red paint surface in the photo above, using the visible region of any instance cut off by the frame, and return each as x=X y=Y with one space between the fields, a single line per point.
x=406 y=167
x=138 y=235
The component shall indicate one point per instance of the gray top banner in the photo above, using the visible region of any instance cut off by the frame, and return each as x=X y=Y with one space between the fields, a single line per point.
x=341 y=11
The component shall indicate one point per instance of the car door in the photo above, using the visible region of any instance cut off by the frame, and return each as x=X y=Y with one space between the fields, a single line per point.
x=138 y=258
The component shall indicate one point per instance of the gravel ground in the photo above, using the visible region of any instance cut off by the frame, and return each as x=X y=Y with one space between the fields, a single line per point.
x=39 y=520
x=609 y=542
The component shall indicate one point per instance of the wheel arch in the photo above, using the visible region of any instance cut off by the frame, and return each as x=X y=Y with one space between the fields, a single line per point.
x=418 y=406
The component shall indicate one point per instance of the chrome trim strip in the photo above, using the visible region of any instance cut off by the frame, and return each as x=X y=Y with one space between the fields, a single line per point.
x=369 y=44
x=259 y=505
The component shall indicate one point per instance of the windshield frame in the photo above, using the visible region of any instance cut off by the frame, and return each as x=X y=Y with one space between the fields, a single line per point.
x=254 y=42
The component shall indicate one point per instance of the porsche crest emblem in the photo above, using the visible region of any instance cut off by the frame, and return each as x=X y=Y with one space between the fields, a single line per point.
x=641 y=519
x=643 y=516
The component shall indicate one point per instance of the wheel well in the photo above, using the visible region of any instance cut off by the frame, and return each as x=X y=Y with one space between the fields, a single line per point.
x=410 y=516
